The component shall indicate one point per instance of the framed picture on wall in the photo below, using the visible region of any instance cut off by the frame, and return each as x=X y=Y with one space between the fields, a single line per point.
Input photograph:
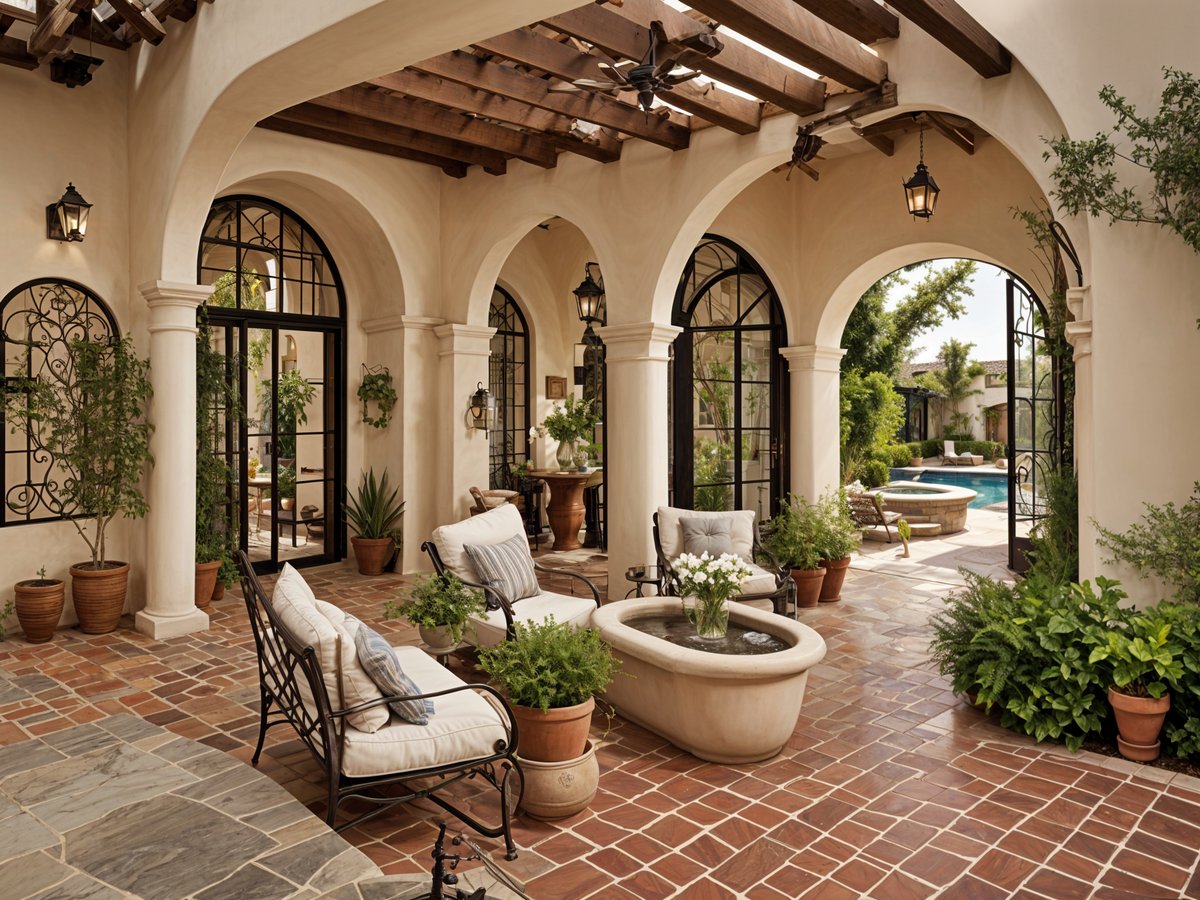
x=556 y=387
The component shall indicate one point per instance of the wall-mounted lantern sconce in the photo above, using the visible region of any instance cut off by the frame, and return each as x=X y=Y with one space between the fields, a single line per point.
x=67 y=219
x=921 y=191
x=482 y=408
x=589 y=296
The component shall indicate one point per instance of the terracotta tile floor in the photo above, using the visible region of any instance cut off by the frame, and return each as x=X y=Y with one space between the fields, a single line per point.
x=891 y=788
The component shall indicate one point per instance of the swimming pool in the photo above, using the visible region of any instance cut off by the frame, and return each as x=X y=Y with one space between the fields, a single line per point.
x=992 y=489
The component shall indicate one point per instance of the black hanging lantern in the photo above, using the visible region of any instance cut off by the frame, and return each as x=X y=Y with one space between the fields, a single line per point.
x=589 y=297
x=67 y=219
x=482 y=408
x=921 y=191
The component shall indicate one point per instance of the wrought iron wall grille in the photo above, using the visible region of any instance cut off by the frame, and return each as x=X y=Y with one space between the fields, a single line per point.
x=38 y=322
x=508 y=380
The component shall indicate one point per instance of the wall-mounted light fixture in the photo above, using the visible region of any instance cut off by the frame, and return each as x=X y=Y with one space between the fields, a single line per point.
x=589 y=296
x=67 y=219
x=921 y=191
x=482 y=408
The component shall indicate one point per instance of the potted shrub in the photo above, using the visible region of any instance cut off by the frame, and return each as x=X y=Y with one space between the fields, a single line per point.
x=839 y=538
x=440 y=606
x=286 y=482
x=793 y=537
x=374 y=514
x=39 y=605
x=90 y=413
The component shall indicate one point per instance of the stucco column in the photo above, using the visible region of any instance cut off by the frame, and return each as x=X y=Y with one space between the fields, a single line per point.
x=171 y=522
x=463 y=352
x=635 y=435
x=814 y=430
x=1079 y=335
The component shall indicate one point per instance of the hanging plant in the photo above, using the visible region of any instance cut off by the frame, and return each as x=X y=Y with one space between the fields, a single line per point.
x=377 y=388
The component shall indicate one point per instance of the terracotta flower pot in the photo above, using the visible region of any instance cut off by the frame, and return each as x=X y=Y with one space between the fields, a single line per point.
x=372 y=554
x=555 y=790
x=206 y=581
x=808 y=586
x=835 y=576
x=218 y=591
x=1139 y=720
x=99 y=595
x=555 y=735
x=39 y=607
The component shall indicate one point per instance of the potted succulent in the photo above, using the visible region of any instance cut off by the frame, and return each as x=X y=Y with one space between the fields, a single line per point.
x=551 y=672
x=793 y=537
x=440 y=606
x=39 y=605
x=839 y=538
x=90 y=413
x=905 y=531
x=374 y=514
x=709 y=581
x=568 y=423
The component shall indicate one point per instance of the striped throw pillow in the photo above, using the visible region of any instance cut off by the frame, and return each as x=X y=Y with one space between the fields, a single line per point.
x=507 y=566
x=376 y=655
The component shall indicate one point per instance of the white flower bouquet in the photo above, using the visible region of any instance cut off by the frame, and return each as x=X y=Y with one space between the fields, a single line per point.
x=711 y=580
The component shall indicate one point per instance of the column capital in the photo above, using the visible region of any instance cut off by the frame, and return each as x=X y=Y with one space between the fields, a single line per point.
x=1079 y=336
x=466 y=340
x=813 y=358
x=638 y=341
x=174 y=293
x=1079 y=301
x=401 y=323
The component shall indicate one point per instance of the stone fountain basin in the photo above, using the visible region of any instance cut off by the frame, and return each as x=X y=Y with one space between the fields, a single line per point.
x=724 y=709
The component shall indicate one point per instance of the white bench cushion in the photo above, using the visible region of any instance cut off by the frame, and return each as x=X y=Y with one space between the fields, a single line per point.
x=488 y=631
x=466 y=726
x=760 y=581
x=490 y=527
x=670 y=531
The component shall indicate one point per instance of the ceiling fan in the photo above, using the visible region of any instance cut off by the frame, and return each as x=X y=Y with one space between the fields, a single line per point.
x=651 y=75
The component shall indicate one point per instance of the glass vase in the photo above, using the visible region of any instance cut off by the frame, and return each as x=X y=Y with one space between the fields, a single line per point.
x=565 y=455
x=709 y=616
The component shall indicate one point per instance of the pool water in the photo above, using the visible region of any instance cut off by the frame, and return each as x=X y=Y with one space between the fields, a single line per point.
x=992 y=489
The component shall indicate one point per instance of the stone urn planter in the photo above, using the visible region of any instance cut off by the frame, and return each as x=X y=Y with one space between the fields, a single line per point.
x=372 y=554
x=99 y=595
x=40 y=604
x=1139 y=721
x=835 y=577
x=917 y=461
x=437 y=638
x=206 y=581
x=808 y=586
x=554 y=735
x=555 y=790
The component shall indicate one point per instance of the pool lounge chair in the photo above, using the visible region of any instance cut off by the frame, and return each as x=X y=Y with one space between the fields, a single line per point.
x=950 y=458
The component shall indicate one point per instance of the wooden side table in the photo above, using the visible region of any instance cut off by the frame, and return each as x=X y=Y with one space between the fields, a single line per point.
x=565 y=510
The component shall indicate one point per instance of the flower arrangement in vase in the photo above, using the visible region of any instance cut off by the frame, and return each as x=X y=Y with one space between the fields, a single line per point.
x=711 y=580
x=568 y=423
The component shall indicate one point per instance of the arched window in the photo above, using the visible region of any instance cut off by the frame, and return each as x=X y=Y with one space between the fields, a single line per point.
x=508 y=380
x=277 y=313
x=38 y=322
x=729 y=384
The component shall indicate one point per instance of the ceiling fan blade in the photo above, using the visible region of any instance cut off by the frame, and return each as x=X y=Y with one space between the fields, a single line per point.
x=599 y=84
x=617 y=74
x=665 y=67
x=672 y=80
x=606 y=61
x=563 y=87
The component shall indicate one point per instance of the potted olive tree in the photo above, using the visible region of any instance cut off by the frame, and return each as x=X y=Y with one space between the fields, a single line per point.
x=839 y=538
x=793 y=536
x=551 y=672
x=90 y=413
x=375 y=515
x=440 y=606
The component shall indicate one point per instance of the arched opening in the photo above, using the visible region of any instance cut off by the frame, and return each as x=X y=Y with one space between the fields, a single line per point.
x=509 y=374
x=277 y=312
x=728 y=384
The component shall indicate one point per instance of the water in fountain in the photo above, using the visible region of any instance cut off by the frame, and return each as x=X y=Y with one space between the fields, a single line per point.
x=738 y=641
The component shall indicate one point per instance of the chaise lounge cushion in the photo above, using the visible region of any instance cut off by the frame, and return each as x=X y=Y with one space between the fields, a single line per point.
x=491 y=527
x=320 y=625
x=670 y=530
x=380 y=661
x=466 y=726
x=507 y=565
x=490 y=630
x=707 y=534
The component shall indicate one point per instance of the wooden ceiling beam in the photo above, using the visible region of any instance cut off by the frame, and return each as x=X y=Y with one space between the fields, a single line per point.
x=14 y=52
x=432 y=119
x=17 y=13
x=139 y=20
x=960 y=137
x=553 y=127
x=737 y=65
x=796 y=33
x=53 y=20
x=589 y=106
x=880 y=142
x=954 y=27
x=863 y=20
x=618 y=36
x=397 y=135
x=451 y=167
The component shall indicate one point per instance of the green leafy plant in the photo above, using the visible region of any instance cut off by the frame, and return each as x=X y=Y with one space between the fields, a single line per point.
x=873 y=473
x=285 y=480
x=1054 y=538
x=1141 y=657
x=1181 y=732
x=572 y=420
x=1165 y=543
x=294 y=393
x=549 y=664
x=90 y=412
x=793 y=535
x=838 y=536
x=953 y=380
x=871 y=414
x=905 y=531
x=376 y=387
x=373 y=512
x=439 y=601
x=217 y=403
x=709 y=458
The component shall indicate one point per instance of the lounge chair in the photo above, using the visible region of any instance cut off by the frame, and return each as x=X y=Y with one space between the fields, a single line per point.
x=868 y=512
x=966 y=458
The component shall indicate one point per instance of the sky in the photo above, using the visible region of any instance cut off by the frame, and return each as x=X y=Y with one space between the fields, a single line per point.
x=985 y=323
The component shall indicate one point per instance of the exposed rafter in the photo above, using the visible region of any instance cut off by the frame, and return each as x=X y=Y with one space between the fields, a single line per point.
x=863 y=20
x=961 y=132
x=140 y=20
x=954 y=27
x=53 y=19
x=451 y=167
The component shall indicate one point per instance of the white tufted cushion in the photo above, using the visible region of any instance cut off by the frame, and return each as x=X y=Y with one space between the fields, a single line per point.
x=760 y=581
x=670 y=531
x=466 y=726
x=490 y=527
x=488 y=631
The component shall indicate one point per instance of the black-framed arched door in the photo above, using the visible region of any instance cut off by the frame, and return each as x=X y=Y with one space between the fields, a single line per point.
x=728 y=384
x=509 y=382
x=277 y=312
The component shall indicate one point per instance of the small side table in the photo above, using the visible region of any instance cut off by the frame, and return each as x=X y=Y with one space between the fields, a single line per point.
x=442 y=654
x=640 y=577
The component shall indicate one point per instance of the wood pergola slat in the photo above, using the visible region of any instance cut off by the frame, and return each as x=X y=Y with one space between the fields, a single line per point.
x=437 y=120
x=53 y=20
x=863 y=20
x=796 y=33
x=451 y=167
x=588 y=106
x=14 y=52
x=954 y=27
x=140 y=20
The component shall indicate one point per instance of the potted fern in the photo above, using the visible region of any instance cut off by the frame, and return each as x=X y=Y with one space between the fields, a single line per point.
x=375 y=514
x=793 y=536
x=440 y=606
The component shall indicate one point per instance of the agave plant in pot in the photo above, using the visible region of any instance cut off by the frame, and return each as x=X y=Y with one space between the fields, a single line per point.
x=839 y=538
x=89 y=412
x=793 y=537
x=375 y=514
x=440 y=606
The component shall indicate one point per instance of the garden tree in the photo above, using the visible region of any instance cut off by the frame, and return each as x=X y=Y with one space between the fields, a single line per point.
x=877 y=339
x=872 y=413
x=953 y=381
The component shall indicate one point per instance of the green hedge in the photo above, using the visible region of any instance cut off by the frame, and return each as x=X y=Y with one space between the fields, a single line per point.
x=989 y=450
